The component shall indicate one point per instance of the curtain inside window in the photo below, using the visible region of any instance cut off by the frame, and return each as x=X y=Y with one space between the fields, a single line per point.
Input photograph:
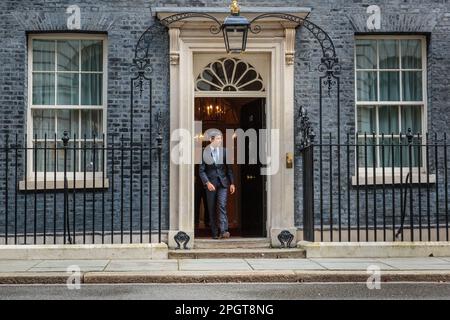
x=68 y=55
x=366 y=54
x=367 y=86
x=43 y=124
x=389 y=54
x=67 y=121
x=91 y=124
x=92 y=163
x=43 y=88
x=91 y=82
x=91 y=55
x=390 y=152
x=367 y=150
x=388 y=118
x=91 y=89
x=412 y=85
x=366 y=119
x=68 y=89
x=43 y=55
x=411 y=54
x=412 y=119
x=389 y=86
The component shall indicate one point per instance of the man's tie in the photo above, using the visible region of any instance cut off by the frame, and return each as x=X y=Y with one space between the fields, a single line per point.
x=215 y=155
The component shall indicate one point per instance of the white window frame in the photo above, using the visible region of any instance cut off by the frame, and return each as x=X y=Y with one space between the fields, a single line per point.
x=79 y=176
x=424 y=103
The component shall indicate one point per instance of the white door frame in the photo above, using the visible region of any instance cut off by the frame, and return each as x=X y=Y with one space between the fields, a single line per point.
x=280 y=115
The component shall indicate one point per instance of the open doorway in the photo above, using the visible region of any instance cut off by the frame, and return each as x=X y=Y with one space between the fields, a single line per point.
x=246 y=209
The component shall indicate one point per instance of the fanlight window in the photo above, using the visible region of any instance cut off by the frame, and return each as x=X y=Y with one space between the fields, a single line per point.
x=229 y=74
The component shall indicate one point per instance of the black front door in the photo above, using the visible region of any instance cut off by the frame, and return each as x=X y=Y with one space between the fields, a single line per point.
x=253 y=216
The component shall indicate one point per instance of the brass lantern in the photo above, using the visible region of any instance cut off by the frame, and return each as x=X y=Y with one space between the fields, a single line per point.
x=235 y=30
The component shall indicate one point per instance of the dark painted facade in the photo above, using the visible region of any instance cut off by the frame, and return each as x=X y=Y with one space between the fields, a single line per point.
x=124 y=21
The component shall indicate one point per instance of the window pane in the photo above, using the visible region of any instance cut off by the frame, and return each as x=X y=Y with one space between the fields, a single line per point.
x=68 y=59
x=416 y=153
x=69 y=161
x=67 y=121
x=91 y=89
x=367 y=152
x=250 y=75
x=412 y=85
x=91 y=124
x=68 y=89
x=253 y=86
x=388 y=118
x=366 y=119
x=390 y=152
x=366 y=54
x=389 y=86
x=205 y=86
x=389 y=54
x=44 y=123
x=412 y=118
x=43 y=88
x=411 y=54
x=43 y=55
x=45 y=154
x=366 y=86
x=91 y=55
x=93 y=156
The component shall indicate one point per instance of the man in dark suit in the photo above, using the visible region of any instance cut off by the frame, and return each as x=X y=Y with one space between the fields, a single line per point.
x=200 y=194
x=217 y=178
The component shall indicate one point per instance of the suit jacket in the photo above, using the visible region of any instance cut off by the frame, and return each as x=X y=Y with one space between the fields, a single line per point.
x=216 y=173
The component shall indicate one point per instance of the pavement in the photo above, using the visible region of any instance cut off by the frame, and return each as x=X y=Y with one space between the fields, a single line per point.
x=434 y=269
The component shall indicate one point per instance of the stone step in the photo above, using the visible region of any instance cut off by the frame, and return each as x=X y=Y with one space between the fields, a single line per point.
x=232 y=243
x=261 y=253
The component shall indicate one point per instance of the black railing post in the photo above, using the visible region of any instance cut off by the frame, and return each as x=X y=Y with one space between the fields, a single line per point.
x=408 y=184
x=159 y=139
x=65 y=140
x=6 y=188
x=308 y=190
x=410 y=137
x=307 y=151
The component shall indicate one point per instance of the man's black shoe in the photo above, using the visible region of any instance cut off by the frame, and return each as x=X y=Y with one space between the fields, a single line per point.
x=225 y=235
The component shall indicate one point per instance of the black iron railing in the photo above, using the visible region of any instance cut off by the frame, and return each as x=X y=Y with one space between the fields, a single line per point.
x=62 y=190
x=383 y=188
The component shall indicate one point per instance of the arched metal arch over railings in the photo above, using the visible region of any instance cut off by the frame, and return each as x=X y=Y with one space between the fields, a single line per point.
x=328 y=69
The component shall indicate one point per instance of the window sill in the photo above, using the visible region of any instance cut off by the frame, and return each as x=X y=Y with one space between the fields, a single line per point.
x=388 y=179
x=50 y=185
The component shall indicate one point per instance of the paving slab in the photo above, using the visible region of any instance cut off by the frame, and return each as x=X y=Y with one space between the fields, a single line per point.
x=284 y=264
x=345 y=260
x=213 y=264
x=62 y=265
x=352 y=264
x=415 y=260
x=445 y=258
x=17 y=265
x=142 y=265
x=417 y=263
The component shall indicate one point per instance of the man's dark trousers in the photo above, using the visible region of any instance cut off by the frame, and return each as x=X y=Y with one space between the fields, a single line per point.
x=219 y=174
x=217 y=204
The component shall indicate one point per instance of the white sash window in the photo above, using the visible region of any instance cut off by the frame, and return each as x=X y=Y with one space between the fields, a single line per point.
x=67 y=92
x=390 y=85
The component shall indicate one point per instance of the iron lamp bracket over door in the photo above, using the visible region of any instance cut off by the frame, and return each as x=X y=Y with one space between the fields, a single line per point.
x=236 y=27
